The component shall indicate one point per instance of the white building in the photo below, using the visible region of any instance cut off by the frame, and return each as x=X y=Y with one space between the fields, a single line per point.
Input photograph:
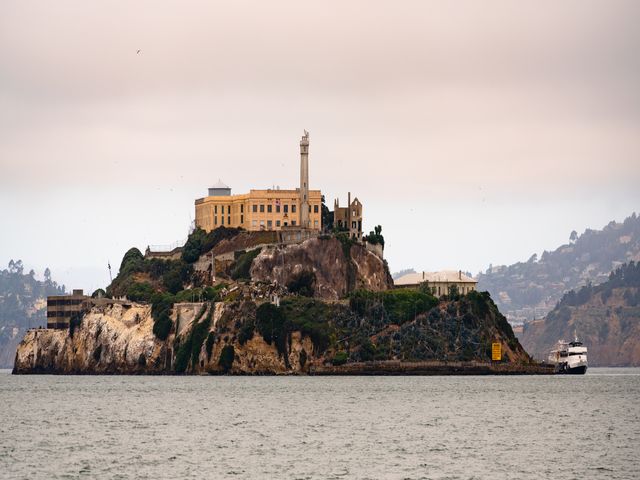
x=439 y=282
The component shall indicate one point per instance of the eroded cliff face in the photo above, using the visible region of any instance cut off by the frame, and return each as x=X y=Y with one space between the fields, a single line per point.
x=117 y=340
x=336 y=274
x=109 y=339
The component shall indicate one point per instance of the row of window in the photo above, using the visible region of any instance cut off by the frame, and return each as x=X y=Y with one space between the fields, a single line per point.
x=261 y=207
x=53 y=303
x=65 y=313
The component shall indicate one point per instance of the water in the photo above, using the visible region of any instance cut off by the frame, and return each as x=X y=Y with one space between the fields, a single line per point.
x=571 y=427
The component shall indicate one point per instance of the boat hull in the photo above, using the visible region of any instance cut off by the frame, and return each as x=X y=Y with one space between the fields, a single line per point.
x=564 y=369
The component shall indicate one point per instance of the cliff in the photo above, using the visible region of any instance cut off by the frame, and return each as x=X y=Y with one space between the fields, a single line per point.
x=302 y=335
x=335 y=267
x=606 y=319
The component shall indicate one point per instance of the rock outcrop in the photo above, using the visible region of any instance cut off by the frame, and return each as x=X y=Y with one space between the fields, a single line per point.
x=337 y=268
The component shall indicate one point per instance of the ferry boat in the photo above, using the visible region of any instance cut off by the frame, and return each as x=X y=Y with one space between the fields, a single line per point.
x=569 y=357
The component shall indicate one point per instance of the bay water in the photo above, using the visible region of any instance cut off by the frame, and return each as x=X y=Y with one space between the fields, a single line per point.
x=493 y=427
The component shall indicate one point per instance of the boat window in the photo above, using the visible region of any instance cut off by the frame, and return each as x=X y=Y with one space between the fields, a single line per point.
x=577 y=353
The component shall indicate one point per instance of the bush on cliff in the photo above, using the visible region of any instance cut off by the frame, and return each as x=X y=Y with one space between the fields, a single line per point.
x=270 y=323
x=189 y=346
x=240 y=269
x=200 y=242
x=398 y=306
x=227 y=356
x=140 y=292
x=161 y=305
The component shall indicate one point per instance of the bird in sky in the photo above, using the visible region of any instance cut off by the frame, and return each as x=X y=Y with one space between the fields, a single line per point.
x=138 y=52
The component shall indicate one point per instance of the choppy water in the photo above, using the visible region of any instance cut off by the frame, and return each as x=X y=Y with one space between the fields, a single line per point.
x=578 y=427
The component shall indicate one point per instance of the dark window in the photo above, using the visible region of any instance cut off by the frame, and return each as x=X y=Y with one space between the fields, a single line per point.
x=277 y=223
x=222 y=220
x=269 y=208
x=255 y=209
x=277 y=208
x=228 y=220
x=261 y=208
x=293 y=223
x=241 y=218
x=242 y=208
x=293 y=209
x=215 y=209
x=315 y=209
x=269 y=224
x=286 y=209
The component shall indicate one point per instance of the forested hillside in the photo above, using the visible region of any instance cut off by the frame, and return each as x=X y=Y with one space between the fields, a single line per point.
x=528 y=290
x=22 y=306
x=605 y=317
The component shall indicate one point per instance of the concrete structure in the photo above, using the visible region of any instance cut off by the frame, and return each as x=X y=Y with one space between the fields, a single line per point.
x=349 y=217
x=271 y=209
x=438 y=282
x=61 y=308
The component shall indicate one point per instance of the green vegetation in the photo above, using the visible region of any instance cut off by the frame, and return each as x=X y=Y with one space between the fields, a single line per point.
x=227 y=356
x=340 y=358
x=189 y=346
x=397 y=306
x=375 y=237
x=200 y=242
x=243 y=264
x=99 y=293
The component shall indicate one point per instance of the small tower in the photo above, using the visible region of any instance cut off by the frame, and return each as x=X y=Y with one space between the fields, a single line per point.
x=304 y=180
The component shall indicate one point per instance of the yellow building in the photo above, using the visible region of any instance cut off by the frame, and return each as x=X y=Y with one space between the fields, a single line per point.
x=438 y=282
x=270 y=209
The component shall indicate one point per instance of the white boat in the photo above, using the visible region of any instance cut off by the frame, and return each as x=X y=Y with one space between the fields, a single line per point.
x=569 y=357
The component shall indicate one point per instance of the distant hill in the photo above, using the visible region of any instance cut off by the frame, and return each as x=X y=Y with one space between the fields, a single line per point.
x=23 y=305
x=605 y=317
x=531 y=289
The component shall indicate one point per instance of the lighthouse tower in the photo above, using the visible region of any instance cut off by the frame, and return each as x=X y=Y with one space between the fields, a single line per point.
x=304 y=181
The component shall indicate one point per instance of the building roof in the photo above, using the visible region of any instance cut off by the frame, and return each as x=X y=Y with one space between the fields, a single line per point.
x=449 y=276
x=219 y=184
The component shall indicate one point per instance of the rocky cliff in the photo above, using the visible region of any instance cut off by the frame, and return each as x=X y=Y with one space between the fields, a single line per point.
x=298 y=336
x=336 y=267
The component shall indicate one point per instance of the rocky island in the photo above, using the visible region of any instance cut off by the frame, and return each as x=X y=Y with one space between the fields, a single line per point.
x=323 y=306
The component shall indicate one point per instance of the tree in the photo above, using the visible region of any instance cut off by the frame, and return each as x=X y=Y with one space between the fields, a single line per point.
x=327 y=217
x=573 y=237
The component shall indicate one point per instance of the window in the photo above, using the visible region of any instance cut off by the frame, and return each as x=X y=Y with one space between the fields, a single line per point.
x=229 y=220
x=215 y=209
x=241 y=218
x=269 y=224
x=315 y=223
x=293 y=223
x=309 y=208
x=261 y=208
x=354 y=213
x=269 y=208
x=242 y=208
x=255 y=209
x=229 y=210
x=293 y=209
x=315 y=209
x=221 y=219
x=278 y=208
x=254 y=223
x=353 y=224
x=285 y=224
x=215 y=220
x=277 y=223
x=286 y=209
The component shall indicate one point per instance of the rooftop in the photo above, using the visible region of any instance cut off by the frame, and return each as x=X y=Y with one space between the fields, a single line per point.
x=441 y=276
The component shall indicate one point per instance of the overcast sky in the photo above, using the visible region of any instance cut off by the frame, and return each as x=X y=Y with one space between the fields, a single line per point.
x=474 y=132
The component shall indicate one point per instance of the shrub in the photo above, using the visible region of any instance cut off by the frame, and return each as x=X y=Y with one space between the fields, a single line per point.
x=243 y=265
x=340 y=358
x=270 y=323
x=99 y=293
x=227 y=356
x=246 y=331
x=140 y=292
x=303 y=358
x=211 y=338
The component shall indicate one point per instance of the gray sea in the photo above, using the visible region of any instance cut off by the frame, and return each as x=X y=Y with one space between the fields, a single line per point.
x=116 y=427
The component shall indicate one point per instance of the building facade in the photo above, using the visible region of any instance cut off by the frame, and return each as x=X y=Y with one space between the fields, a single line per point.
x=271 y=209
x=349 y=217
x=438 y=282
x=61 y=308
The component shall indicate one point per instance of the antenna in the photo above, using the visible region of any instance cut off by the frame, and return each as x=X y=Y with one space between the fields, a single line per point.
x=109 y=265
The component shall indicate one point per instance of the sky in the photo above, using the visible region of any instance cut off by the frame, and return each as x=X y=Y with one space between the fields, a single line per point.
x=475 y=133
